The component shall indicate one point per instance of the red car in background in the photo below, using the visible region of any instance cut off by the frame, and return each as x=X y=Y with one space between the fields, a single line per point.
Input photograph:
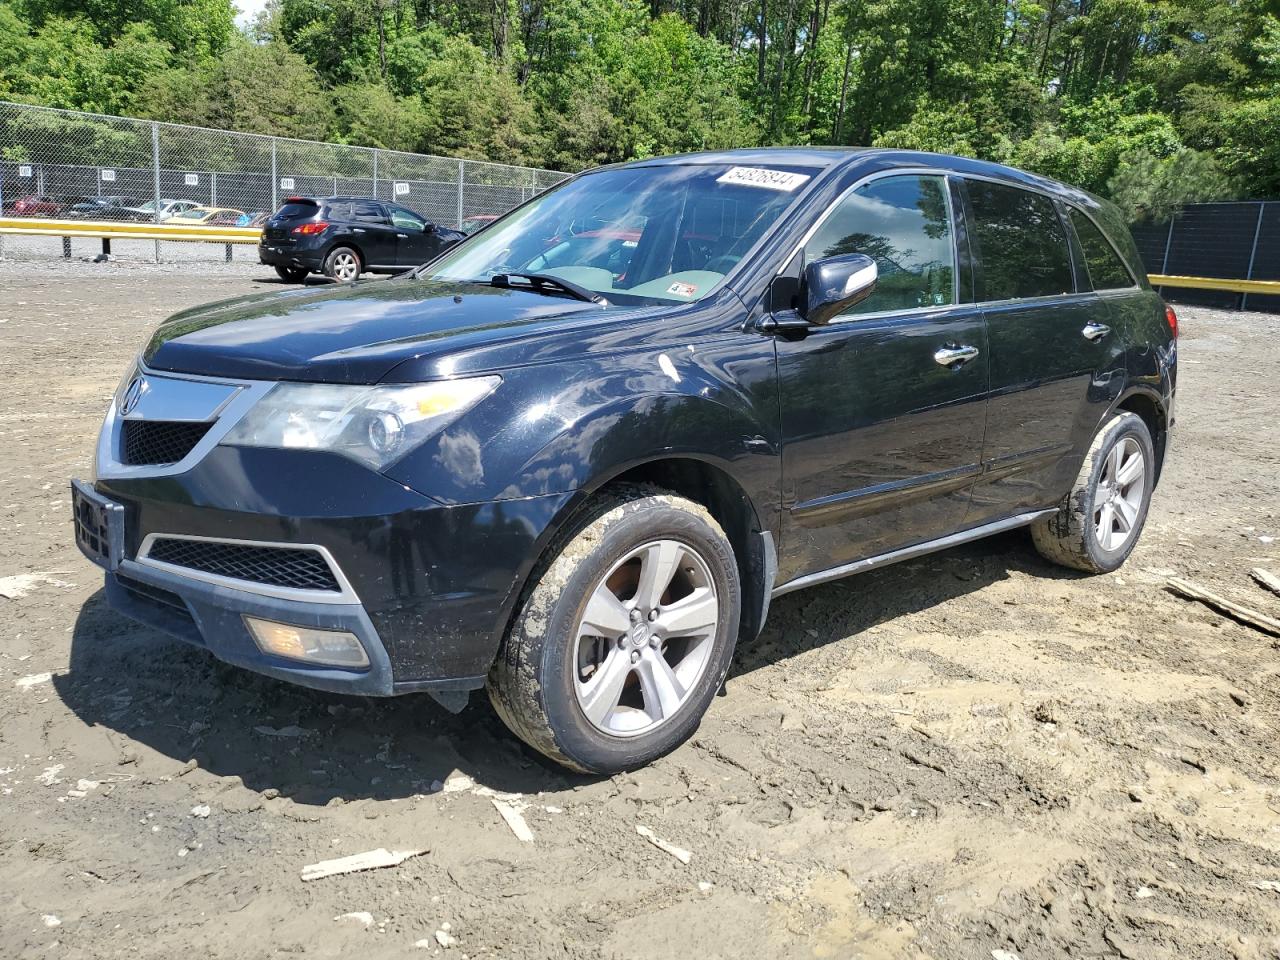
x=471 y=224
x=35 y=206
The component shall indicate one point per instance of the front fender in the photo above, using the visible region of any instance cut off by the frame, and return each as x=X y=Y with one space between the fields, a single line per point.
x=567 y=427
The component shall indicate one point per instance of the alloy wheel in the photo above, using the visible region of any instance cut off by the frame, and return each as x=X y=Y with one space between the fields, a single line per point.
x=644 y=638
x=1117 y=500
x=346 y=267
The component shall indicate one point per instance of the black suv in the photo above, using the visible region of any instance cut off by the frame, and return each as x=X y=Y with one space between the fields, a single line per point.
x=573 y=458
x=343 y=237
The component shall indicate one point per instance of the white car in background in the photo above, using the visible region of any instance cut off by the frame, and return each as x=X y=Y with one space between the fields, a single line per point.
x=146 y=212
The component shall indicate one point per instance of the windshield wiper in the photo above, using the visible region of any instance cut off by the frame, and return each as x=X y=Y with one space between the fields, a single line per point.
x=548 y=284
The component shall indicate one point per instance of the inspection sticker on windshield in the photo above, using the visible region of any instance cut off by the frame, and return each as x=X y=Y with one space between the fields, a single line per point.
x=760 y=177
x=679 y=289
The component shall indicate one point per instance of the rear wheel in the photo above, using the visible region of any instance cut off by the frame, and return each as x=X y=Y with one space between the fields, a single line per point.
x=292 y=274
x=343 y=264
x=1099 y=523
x=626 y=635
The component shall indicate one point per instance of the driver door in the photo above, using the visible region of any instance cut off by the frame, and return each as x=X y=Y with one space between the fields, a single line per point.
x=416 y=241
x=883 y=409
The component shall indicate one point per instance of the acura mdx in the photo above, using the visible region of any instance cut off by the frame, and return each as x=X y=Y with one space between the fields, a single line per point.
x=573 y=458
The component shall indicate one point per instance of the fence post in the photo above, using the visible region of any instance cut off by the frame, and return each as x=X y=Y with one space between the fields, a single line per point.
x=462 y=177
x=1253 y=252
x=155 y=177
x=1 y=208
x=375 y=173
x=275 y=178
x=213 y=189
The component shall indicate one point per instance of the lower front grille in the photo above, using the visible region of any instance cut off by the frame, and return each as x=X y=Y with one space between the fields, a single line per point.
x=155 y=594
x=154 y=443
x=295 y=568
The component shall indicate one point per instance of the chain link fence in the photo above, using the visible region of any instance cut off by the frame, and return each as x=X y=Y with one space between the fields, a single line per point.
x=1230 y=241
x=62 y=164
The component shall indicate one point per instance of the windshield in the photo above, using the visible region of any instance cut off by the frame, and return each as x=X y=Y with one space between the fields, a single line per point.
x=638 y=235
x=191 y=215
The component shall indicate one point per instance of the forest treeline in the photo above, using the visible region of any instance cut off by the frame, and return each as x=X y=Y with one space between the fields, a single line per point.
x=1153 y=102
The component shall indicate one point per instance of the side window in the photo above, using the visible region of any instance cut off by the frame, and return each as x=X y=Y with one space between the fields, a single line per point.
x=903 y=223
x=368 y=212
x=1106 y=269
x=405 y=220
x=1021 y=243
x=336 y=211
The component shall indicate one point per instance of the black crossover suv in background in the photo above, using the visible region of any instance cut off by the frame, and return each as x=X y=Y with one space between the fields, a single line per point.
x=573 y=458
x=343 y=237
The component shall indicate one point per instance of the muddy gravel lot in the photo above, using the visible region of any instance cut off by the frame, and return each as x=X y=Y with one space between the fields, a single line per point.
x=972 y=755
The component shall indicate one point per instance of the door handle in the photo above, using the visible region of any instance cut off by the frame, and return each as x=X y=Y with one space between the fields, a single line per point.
x=402 y=236
x=1095 y=331
x=954 y=357
x=357 y=229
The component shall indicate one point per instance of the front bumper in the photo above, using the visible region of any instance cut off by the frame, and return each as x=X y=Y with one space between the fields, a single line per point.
x=212 y=617
x=430 y=587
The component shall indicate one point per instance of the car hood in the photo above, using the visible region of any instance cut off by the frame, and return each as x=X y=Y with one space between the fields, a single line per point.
x=354 y=333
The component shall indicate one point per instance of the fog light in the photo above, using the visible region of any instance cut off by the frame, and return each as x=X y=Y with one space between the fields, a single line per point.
x=336 y=648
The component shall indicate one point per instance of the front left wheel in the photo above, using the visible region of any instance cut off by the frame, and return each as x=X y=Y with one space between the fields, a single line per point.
x=626 y=635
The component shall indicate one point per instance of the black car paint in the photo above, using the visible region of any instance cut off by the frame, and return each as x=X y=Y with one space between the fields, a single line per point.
x=383 y=247
x=839 y=442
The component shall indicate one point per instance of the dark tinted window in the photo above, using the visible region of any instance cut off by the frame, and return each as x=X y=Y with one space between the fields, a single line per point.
x=297 y=210
x=407 y=219
x=337 y=211
x=1106 y=270
x=368 y=212
x=903 y=224
x=1021 y=243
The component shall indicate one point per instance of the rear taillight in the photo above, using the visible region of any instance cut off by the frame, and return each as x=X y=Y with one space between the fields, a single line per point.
x=1171 y=318
x=310 y=229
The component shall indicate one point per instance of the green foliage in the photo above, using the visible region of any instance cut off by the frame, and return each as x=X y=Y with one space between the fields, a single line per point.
x=1153 y=101
x=1147 y=187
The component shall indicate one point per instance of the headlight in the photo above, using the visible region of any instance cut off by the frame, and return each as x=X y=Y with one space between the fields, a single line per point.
x=374 y=425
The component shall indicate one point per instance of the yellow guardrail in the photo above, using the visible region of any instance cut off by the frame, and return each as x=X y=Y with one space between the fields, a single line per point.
x=115 y=230
x=1214 y=283
x=108 y=230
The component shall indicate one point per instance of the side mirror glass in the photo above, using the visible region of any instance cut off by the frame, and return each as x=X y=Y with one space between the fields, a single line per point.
x=833 y=285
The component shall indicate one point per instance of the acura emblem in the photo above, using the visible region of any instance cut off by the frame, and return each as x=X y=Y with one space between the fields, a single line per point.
x=131 y=396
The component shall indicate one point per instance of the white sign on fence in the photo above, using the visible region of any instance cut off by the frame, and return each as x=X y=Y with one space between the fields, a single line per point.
x=108 y=176
x=24 y=170
x=192 y=179
x=401 y=189
x=286 y=183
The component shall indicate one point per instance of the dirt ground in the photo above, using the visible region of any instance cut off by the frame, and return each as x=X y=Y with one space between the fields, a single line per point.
x=972 y=755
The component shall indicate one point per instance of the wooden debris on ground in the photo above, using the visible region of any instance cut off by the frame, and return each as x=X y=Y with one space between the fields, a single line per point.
x=1236 y=611
x=1268 y=580
x=681 y=854
x=369 y=860
x=515 y=820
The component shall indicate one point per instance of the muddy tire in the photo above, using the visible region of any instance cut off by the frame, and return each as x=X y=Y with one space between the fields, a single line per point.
x=1099 y=522
x=343 y=264
x=292 y=274
x=625 y=635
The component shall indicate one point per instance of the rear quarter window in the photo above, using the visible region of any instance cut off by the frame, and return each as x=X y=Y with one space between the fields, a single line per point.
x=1106 y=270
x=1022 y=244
